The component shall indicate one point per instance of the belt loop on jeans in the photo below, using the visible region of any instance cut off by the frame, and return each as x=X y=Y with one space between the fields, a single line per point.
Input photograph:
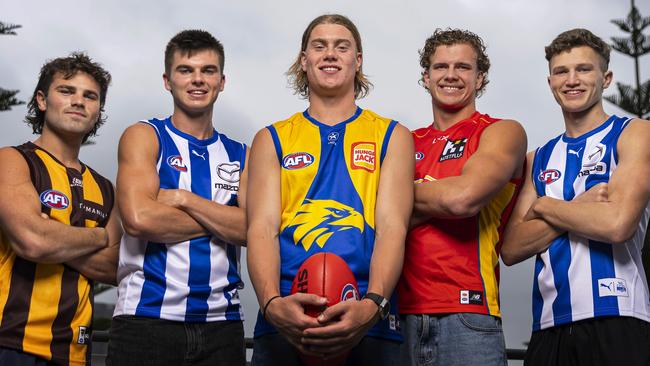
x=425 y=324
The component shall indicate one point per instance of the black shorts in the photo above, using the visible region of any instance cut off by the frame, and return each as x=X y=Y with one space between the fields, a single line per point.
x=11 y=357
x=598 y=341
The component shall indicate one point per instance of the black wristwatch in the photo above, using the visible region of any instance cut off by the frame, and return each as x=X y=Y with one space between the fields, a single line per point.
x=382 y=303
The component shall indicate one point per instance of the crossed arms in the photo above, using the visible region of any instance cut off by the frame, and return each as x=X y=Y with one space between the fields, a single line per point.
x=608 y=212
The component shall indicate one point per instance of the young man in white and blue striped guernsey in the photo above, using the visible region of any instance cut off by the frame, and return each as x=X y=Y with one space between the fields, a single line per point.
x=182 y=193
x=584 y=212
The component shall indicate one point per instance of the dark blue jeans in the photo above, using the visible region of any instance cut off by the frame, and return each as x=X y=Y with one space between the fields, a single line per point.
x=453 y=340
x=138 y=341
x=274 y=350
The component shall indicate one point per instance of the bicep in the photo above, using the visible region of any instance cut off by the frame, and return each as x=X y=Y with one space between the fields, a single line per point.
x=137 y=176
x=264 y=193
x=395 y=191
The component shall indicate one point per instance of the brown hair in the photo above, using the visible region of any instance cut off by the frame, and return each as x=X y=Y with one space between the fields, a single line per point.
x=578 y=37
x=192 y=40
x=298 y=78
x=450 y=37
x=68 y=66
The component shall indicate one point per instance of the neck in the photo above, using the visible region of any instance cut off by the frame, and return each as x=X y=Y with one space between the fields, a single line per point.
x=444 y=117
x=579 y=123
x=332 y=110
x=198 y=125
x=65 y=150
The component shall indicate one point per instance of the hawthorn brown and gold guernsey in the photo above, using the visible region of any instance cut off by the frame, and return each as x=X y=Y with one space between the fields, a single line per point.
x=46 y=309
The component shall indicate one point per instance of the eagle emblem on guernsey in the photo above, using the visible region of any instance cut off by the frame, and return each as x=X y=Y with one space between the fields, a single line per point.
x=317 y=220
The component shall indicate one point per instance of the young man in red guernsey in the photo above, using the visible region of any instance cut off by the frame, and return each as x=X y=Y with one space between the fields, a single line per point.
x=468 y=172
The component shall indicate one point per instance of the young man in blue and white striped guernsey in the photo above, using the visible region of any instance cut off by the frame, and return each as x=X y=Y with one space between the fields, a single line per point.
x=584 y=212
x=181 y=189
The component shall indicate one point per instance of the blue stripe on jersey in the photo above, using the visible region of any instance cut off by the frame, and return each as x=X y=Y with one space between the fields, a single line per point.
x=572 y=169
x=540 y=162
x=387 y=136
x=276 y=143
x=602 y=266
x=560 y=255
x=153 y=289
x=199 y=273
x=538 y=300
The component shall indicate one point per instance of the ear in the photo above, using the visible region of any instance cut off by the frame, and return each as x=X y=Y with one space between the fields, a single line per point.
x=166 y=81
x=479 y=80
x=359 y=61
x=609 y=76
x=41 y=101
x=223 y=83
x=303 y=61
x=425 y=79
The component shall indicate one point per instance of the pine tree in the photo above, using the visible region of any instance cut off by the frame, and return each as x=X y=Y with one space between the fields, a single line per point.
x=634 y=100
x=8 y=97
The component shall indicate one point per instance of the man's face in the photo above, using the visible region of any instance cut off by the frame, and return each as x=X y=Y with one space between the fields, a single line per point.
x=71 y=105
x=195 y=81
x=577 y=79
x=453 y=77
x=331 y=60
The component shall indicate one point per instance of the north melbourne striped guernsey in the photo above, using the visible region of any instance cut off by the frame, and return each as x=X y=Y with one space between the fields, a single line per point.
x=196 y=280
x=578 y=278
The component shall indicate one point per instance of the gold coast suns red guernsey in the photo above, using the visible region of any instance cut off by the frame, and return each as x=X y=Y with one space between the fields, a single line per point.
x=452 y=265
x=46 y=309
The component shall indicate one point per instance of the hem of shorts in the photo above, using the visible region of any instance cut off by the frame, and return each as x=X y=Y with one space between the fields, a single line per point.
x=583 y=316
x=396 y=337
x=191 y=318
x=43 y=357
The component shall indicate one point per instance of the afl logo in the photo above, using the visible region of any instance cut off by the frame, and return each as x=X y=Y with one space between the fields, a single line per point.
x=349 y=293
x=176 y=162
x=297 y=160
x=419 y=156
x=54 y=199
x=549 y=176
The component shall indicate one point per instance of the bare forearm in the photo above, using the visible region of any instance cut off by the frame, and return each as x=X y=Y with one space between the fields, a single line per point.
x=526 y=239
x=226 y=222
x=387 y=260
x=50 y=241
x=446 y=198
x=263 y=257
x=99 y=266
x=162 y=224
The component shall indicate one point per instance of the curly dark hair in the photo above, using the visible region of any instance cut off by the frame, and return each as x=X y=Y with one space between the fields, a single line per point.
x=189 y=41
x=576 y=38
x=450 y=37
x=68 y=67
x=298 y=78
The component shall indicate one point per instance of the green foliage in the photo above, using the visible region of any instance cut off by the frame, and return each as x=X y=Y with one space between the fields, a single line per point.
x=8 y=28
x=8 y=99
x=627 y=99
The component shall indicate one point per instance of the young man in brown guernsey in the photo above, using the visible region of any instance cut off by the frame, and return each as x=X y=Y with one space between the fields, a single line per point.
x=59 y=227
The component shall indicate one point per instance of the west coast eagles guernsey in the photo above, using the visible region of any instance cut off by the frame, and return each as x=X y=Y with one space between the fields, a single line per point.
x=196 y=280
x=452 y=265
x=329 y=179
x=577 y=278
x=46 y=309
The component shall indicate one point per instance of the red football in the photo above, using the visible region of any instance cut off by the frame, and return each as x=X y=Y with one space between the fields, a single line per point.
x=326 y=275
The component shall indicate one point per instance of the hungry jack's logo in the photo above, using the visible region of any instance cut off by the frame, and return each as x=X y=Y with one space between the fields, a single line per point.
x=364 y=156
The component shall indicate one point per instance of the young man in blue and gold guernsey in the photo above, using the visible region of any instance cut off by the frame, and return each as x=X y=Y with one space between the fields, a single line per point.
x=59 y=228
x=335 y=178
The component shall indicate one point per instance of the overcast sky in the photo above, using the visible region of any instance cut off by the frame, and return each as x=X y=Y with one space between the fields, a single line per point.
x=261 y=41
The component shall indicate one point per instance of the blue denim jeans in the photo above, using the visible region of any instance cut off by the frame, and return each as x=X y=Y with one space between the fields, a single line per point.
x=273 y=349
x=453 y=339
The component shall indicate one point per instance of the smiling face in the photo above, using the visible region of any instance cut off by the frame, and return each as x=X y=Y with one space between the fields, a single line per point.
x=453 y=78
x=577 y=79
x=71 y=105
x=195 y=80
x=331 y=60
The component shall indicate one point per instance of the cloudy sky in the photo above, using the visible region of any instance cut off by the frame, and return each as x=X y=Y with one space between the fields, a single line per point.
x=262 y=39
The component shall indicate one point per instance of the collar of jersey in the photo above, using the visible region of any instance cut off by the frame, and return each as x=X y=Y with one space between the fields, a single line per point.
x=570 y=140
x=336 y=126
x=83 y=166
x=194 y=140
x=471 y=118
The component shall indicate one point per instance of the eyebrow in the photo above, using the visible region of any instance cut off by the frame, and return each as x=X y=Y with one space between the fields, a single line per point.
x=337 y=41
